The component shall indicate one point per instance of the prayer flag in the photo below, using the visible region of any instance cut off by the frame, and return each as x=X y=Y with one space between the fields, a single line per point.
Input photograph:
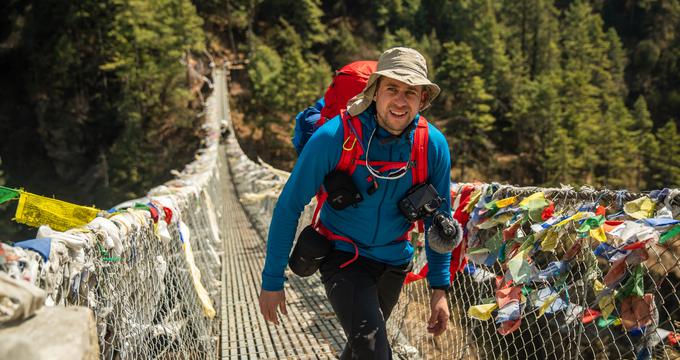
x=35 y=210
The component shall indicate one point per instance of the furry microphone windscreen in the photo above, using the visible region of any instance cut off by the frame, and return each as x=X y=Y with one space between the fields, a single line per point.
x=444 y=234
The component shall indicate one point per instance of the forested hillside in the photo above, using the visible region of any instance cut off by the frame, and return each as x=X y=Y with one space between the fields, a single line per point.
x=99 y=99
x=534 y=92
x=95 y=103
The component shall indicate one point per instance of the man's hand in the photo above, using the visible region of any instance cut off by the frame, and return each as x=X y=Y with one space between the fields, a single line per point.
x=270 y=300
x=439 y=313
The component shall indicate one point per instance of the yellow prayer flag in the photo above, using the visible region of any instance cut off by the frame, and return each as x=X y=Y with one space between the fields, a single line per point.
x=607 y=305
x=546 y=304
x=474 y=198
x=549 y=242
x=35 y=210
x=506 y=202
x=597 y=286
x=575 y=217
x=641 y=208
x=535 y=196
x=598 y=234
x=482 y=312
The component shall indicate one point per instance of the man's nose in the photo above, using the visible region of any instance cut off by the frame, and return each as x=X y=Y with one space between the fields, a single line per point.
x=400 y=99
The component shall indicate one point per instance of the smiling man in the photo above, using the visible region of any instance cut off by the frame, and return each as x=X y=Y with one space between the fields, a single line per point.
x=392 y=150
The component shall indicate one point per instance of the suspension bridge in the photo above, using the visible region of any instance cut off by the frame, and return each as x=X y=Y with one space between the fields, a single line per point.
x=183 y=282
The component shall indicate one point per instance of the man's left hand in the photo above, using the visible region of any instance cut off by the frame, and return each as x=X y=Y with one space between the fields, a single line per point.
x=439 y=313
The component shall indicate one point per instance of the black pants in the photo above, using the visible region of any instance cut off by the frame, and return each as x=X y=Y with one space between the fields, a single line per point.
x=363 y=295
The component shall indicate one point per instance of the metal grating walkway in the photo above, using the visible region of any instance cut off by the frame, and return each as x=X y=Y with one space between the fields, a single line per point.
x=310 y=331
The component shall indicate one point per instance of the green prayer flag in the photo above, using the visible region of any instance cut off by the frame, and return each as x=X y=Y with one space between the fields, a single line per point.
x=7 y=194
x=635 y=284
x=603 y=323
x=494 y=242
x=592 y=223
x=669 y=234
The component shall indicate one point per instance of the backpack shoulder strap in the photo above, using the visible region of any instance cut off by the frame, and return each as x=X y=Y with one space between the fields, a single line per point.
x=419 y=152
x=419 y=158
x=351 y=150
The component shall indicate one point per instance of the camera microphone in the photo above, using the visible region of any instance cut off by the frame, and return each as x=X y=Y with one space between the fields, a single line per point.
x=444 y=234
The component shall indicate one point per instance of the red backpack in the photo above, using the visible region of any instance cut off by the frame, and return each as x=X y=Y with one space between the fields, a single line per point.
x=349 y=81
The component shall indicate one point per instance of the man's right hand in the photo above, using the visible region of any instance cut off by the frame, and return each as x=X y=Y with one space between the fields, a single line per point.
x=269 y=301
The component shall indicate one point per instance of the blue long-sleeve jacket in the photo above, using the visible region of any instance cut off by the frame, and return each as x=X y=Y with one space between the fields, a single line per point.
x=376 y=222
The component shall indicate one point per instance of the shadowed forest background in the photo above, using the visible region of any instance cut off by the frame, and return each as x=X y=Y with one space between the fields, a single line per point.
x=100 y=100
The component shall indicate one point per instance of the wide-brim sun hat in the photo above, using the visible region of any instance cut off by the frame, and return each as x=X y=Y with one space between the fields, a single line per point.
x=400 y=63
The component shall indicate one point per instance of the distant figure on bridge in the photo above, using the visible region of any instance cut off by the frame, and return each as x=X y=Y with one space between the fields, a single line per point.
x=382 y=167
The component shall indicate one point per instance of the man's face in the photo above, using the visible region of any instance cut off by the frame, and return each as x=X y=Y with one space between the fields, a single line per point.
x=397 y=104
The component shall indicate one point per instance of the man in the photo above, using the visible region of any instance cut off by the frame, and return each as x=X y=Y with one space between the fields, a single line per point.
x=364 y=290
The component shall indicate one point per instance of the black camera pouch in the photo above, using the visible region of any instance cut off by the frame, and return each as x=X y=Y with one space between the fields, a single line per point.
x=342 y=192
x=309 y=252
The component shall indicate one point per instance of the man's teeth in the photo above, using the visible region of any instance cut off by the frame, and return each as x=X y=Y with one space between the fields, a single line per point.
x=398 y=113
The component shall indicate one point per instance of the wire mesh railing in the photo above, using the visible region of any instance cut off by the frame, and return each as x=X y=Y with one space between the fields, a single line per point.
x=149 y=269
x=571 y=285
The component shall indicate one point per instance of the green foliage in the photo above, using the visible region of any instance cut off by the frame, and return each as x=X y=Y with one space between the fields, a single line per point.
x=145 y=44
x=531 y=36
x=401 y=37
x=264 y=70
x=344 y=47
x=535 y=116
x=666 y=164
x=96 y=89
x=559 y=162
x=534 y=90
x=647 y=144
x=396 y=14
x=466 y=111
x=305 y=16
x=285 y=83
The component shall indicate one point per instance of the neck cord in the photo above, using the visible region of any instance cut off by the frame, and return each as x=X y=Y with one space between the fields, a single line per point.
x=375 y=173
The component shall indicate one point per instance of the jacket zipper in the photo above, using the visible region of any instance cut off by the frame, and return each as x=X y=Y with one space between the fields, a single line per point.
x=387 y=183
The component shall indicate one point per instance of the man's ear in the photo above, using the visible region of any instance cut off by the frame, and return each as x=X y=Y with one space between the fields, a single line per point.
x=423 y=98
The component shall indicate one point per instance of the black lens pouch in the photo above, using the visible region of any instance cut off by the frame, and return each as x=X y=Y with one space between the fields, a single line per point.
x=309 y=251
x=342 y=192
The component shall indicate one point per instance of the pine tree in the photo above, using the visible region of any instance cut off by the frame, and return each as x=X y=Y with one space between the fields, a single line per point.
x=306 y=17
x=647 y=143
x=617 y=147
x=465 y=111
x=396 y=14
x=536 y=114
x=589 y=85
x=666 y=165
x=559 y=161
x=531 y=36
x=401 y=37
x=264 y=69
x=143 y=48
x=483 y=34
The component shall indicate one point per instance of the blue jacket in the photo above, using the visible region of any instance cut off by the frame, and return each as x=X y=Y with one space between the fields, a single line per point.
x=376 y=222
